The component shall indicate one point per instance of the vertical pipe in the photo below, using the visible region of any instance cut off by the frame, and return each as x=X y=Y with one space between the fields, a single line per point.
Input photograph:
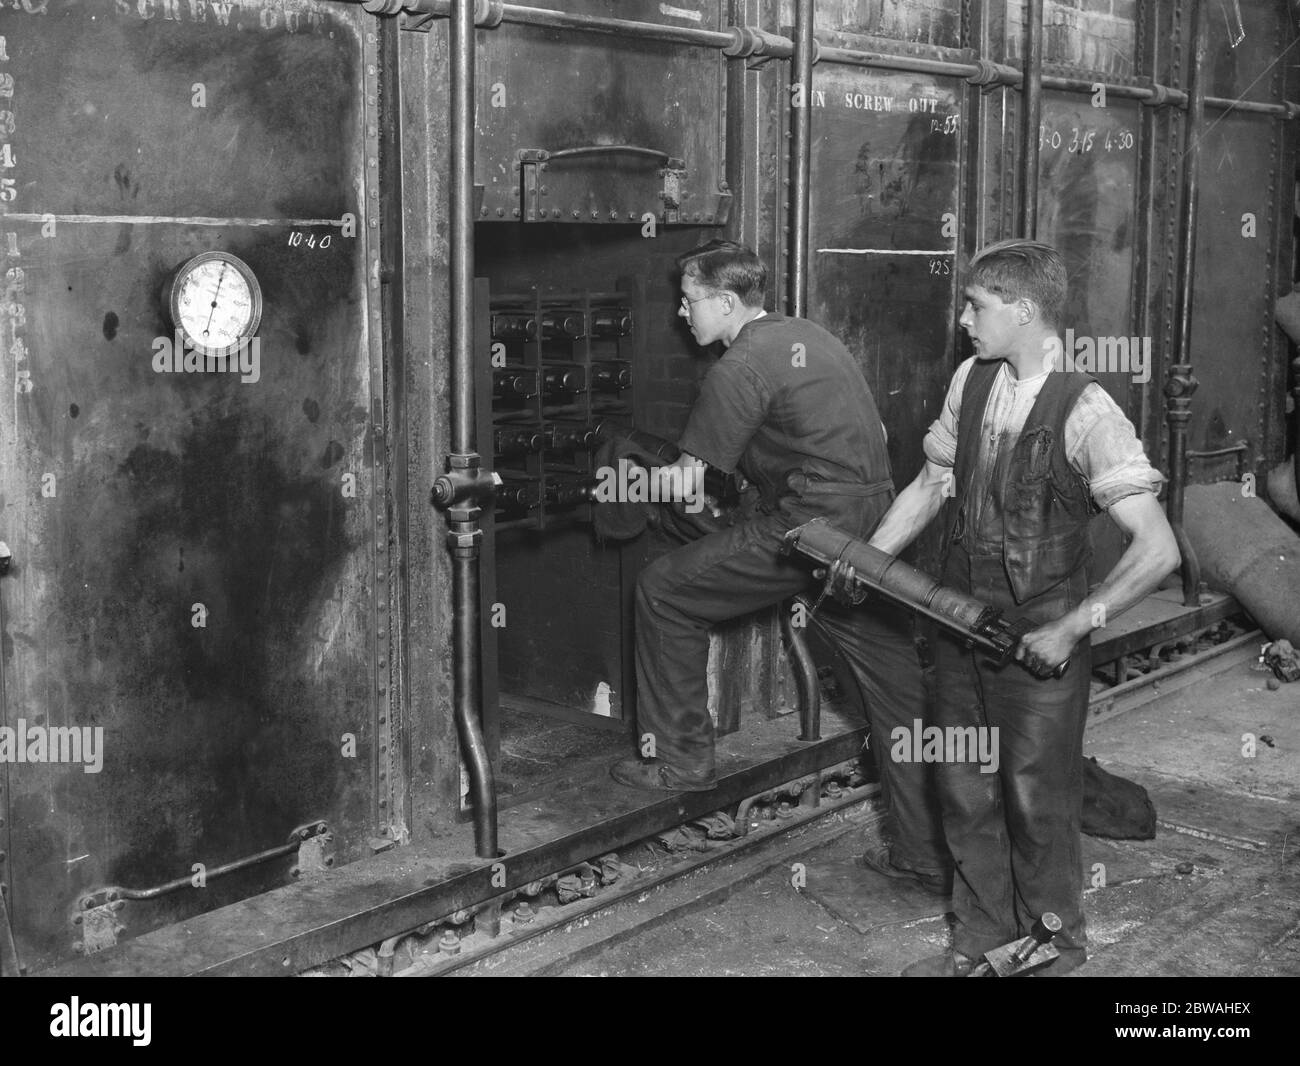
x=1145 y=241
x=800 y=154
x=1181 y=384
x=464 y=535
x=1030 y=119
x=462 y=249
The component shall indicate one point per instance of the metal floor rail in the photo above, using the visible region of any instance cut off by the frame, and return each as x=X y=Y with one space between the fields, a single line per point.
x=291 y=929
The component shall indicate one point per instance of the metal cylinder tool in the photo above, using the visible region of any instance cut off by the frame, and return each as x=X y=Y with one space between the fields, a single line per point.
x=855 y=567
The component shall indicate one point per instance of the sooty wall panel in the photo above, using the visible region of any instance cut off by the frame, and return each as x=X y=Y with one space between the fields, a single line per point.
x=194 y=556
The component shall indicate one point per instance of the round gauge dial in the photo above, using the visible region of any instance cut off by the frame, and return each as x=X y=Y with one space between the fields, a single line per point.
x=216 y=302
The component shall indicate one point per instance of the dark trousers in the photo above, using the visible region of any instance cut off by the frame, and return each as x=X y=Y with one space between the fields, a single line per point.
x=737 y=571
x=1014 y=834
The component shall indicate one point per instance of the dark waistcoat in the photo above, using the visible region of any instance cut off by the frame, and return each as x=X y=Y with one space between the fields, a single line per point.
x=1037 y=502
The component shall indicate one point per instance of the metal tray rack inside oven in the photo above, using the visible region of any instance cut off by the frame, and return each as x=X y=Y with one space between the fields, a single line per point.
x=560 y=364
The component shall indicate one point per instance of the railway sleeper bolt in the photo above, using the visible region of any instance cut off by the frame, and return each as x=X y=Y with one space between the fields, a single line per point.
x=488 y=919
x=450 y=943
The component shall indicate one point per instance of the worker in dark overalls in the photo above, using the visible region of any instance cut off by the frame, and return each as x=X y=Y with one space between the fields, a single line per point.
x=788 y=406
x=1026 y=450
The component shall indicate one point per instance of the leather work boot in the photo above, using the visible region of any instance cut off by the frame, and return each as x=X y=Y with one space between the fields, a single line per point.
x=949 y=964
x=877 y=858
x=658 y=777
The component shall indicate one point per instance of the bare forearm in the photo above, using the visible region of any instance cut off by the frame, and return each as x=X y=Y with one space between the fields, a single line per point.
x=1152 y=553
x=914 y=509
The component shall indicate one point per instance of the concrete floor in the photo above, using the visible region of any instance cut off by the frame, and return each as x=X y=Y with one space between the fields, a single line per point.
x=1216 y=893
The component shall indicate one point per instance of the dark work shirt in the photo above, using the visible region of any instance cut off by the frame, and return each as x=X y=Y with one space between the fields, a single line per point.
x=774 y=410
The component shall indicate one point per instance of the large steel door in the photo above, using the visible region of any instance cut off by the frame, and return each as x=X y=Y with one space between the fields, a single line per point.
x=193 y=591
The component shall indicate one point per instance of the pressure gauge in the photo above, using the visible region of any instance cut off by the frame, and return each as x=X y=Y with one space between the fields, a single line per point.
x=216 y=302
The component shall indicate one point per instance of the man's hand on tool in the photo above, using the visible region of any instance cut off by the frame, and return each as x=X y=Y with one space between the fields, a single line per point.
x=682 y=481
x=1045 y=648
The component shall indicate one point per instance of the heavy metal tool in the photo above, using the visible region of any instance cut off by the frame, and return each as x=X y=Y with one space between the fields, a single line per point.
x=854 y=567
x=1022 y=955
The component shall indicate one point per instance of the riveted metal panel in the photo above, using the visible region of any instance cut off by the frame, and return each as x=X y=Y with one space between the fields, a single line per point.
x=1087 y=172
x=1233 y=337
x=560 y=90
x=194 y=551
x=1246 y=38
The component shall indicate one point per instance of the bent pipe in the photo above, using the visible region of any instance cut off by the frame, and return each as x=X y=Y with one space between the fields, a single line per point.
x=1191 y=569
x=464 y=534
x=805 y=676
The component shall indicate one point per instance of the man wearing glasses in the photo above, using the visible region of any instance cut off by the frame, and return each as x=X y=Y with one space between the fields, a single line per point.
x=788 y=406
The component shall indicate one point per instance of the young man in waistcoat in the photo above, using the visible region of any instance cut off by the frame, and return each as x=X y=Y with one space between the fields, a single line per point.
x=1024 y=451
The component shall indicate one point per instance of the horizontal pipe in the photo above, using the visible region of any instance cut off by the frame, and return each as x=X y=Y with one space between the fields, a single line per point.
x=187 y=881
x=540 y=16
x=912 y=64
x=562 y=20
x=783 y=47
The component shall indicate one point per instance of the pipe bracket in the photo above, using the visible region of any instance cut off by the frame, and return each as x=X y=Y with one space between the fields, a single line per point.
x=489 y=13
x=1159 y=95
x=749 y=41
x=986 y=73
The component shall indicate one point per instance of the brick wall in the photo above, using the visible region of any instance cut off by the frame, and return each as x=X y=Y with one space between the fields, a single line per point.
x=924 y=21
x=1097 y=35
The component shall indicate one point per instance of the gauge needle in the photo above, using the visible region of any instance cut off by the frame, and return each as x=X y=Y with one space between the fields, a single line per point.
x=220 y=278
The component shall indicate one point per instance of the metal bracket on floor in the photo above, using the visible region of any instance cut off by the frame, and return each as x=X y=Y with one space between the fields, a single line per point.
x=97 y=927
x=315 y=851
x=807 y=791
